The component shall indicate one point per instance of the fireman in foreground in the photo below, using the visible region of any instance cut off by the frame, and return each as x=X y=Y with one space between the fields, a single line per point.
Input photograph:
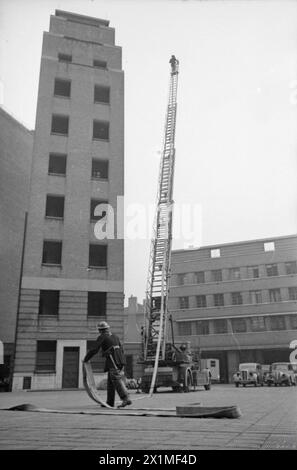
x=114 y=362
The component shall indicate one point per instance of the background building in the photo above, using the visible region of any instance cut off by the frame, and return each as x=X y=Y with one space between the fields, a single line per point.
x=71 y=280
x=237 y=301
x=134 y=320
x=16 y=143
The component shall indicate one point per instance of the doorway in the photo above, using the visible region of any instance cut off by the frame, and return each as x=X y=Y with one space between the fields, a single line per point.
x=70 y=367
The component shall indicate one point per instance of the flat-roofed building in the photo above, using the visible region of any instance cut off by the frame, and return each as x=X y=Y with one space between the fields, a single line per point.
x=71 y=279
x=237 y=302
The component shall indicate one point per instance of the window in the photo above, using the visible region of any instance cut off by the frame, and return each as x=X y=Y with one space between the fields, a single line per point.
x=52 y=252
x=98 y=255
x=100 y=169
x=97 y=361
x=293 y=321
x=101 y=130
x=255 y=297
x=220 y=326
x=93 y=205
x=291 y=267
x=49 y=302
x=269 y=246
x=101 y=94
x=184 y=328
x=218 y=300
x=57 y=164
x=200 y=277
x=271 y=270
x=96 y=304
x=236 y=298
x=292 y=293
x=46 y=356
x=216 y=275
x=277 y=323
x=65 y=57
x=180 y=279
x=274 y=295
x=62 y=88
x=253 y=271
x=54 y=206
x=200 y=301
x=183 y=302
x=215 y=253
x=101 y=64
x=202 y=327
x=239 y=325
x=60 y=124
x=258 y=324
x=234 y=273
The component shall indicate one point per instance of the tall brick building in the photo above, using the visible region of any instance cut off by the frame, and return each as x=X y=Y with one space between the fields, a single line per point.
x=237 y=301
x=16 y=143
x=71 y=280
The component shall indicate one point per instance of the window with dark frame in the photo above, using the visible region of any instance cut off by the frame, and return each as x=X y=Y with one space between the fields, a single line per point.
x=220 y=326
x=274 y=295
x=200 y=301
x=200 y=277
x=239 y=325
x=46 y=356
x=234 y=273
x=102 y=94
x=62 y=87
x=255 y=297
x=258 y=324
x=98 y=256
x=293 y=322
x=100 y=130
x=184 y=328
x=93 y=204
x=54 y=206
x=277 y=322
x=64 y=57
x=52 y=252
x=181 y=279
x=236 y=298
x=218 y=300
x=216 y=275
x=292 y=293
x=96 y=304
x=100 y=169
x=271 y=270
x=97 y=361
x=57 y=164
x=183 y=302
x=291 y=267
x=101 y=64
x=49 y=302
x=60 y=124
x=202 y=327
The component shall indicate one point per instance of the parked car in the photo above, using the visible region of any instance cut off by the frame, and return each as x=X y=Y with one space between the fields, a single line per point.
x=248 y=374
x=294 y=365
x=266 y=369
x=282 y=373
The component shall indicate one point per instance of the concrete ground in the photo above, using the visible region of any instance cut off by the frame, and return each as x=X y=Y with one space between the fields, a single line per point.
x=269 y=421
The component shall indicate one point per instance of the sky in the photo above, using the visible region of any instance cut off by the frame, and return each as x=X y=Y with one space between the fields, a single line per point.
x=236 y=117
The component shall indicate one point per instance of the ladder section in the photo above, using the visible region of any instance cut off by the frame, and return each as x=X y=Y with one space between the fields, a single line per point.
x=159 y=265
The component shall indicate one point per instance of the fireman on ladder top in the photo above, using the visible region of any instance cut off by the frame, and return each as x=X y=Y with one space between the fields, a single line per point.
x=173 y=62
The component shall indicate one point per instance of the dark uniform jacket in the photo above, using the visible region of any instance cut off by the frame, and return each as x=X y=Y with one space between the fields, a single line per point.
x=110 y=346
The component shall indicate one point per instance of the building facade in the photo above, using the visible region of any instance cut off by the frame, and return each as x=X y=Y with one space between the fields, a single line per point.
x=71 y=279
x=237 y=302
x=134 y=321
x=16 y=143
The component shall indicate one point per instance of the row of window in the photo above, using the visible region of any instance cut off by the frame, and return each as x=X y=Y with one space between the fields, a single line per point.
x=52 y=254
x=55 y=207
x=46 y=352
x=58 y=162
x=98 y=63
x=267 y=246
x=60 y=126
x=62 y=87
x=237 y=325
x=216 y=275
x=255 y=297
x=49 y=303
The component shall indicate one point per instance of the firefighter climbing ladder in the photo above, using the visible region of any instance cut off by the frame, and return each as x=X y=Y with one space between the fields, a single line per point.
x=156 y=311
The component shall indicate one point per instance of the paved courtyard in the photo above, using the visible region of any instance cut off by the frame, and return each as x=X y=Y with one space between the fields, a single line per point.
x=269 y=421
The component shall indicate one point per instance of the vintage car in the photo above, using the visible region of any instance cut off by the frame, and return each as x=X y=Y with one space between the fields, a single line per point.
x=266 y=369
x=281 y=373
x=248 y=374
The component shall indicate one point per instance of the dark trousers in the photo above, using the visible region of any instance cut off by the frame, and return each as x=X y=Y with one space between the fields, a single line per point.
x=115 y=383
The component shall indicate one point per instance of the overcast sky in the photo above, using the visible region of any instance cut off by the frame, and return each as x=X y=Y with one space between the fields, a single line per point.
x=237 y=107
